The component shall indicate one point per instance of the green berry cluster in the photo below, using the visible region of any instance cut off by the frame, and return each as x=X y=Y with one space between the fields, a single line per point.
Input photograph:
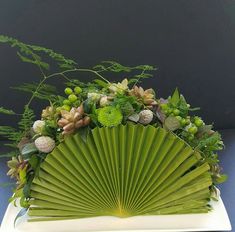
x=188 y=125
x=73 y=98
x=192 y=129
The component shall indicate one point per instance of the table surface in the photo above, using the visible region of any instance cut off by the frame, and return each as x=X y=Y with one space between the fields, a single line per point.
x=227 y=158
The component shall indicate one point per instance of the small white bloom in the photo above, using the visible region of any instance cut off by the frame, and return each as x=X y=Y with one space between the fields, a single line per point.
x=94 y=96
x=45 y=144
x=104 y=101
x=146 y=116
x=38 y=126
x=119 y=87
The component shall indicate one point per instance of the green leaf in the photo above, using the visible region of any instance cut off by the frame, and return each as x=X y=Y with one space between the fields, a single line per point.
x=83 y=132
x=27 y=187
x=134 y=117
x=127 y=109
x=28 y=150
x=221 y=178
x=175 y=97
x=6 y=111
x=34 y=161
x=101 y=83
x=88 y=105
x=172 y=123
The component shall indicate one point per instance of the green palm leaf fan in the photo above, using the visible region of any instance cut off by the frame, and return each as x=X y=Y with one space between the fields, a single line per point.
x=121 y=171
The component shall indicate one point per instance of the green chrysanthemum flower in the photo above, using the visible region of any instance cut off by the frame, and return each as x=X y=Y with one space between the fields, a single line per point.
x=109 y=116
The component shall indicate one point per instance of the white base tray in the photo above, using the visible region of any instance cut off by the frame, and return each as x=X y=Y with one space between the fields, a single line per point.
x=217 y=220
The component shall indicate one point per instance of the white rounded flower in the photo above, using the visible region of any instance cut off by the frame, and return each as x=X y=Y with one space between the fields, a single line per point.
x=146 y=116
x=45 y=144
x=94 y=96
x=104 y=101
x=38 y=126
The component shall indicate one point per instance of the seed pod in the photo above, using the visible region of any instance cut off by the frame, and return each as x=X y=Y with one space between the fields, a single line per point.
x=146 y=116
x=45 y=144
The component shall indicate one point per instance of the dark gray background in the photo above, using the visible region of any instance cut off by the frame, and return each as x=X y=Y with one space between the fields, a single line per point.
x=191 y=42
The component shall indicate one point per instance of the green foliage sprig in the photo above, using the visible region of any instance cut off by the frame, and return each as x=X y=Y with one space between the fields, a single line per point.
x=44 y=92
x=32 y=54
x=6 y=111
x=15 y=135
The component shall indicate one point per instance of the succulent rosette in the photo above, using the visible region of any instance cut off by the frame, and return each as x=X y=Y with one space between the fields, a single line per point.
x=84 y=106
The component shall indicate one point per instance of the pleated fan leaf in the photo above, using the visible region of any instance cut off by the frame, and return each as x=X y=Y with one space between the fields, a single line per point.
x=121 y=171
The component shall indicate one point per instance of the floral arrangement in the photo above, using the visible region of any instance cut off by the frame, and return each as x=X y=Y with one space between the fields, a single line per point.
x=98 y=103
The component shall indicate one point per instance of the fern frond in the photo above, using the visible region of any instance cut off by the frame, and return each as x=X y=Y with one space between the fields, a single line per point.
x=63 y=63
x=25 y=53
x=45 y=92
x=27 y=120
x=113 y=66
x=76 y=82
x=6 y=111
x=14 y=153
x=10 y=133
x=143 y=75
x=34 y=61
x=31 y=54
x=24 y=125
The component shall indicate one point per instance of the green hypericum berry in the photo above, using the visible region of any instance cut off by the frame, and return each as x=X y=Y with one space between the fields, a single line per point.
x=191 y=137
x=77 y=103
x=166 y=111
x=183 y=122
x=187 y=121
x=77 y=90
x=164 y=106
x=66 y=102
x=68 y=91
x=176 y=112
x=198 y=122
x=58 y=109
x=179 y=118
x=192 y=130
x=72 y=98
x=66 y=107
